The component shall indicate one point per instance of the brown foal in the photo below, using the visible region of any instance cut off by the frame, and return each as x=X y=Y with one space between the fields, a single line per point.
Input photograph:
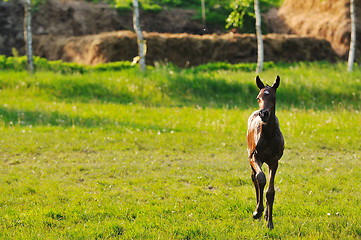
x=265 y=145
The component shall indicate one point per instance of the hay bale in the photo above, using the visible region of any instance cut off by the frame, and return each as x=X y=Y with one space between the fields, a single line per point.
x=328 y=19
x=181 y=49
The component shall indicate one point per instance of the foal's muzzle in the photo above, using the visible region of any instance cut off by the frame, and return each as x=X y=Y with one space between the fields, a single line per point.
x=264 y=115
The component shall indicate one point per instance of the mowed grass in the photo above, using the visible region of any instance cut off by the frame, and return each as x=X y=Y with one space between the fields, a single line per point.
x=162 y=155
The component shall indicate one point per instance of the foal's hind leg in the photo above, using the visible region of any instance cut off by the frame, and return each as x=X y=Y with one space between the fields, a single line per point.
x=270 y=195
x=259 y=181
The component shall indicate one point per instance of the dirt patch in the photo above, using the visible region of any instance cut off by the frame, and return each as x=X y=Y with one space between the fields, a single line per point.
x=182 y=49
x=11 y=27
x=328 y=19
x=76 y=18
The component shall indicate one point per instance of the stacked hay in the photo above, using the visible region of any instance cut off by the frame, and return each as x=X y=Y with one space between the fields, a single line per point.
x=328 y=19
x=181 y=49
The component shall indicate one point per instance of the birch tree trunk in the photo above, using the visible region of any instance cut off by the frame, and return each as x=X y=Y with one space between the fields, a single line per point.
x=351 y=53
x=204 y=14
x=138 y=31
x=28 y=35
x=259 y=37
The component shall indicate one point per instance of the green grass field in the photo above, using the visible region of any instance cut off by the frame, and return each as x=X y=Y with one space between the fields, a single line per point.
x=162 y=154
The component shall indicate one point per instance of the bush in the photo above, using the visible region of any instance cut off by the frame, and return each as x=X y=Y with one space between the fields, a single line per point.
x=246 y=67
x=42 y=64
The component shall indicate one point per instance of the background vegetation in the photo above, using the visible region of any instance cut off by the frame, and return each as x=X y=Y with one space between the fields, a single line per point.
x=93 y=154
x=217 y=12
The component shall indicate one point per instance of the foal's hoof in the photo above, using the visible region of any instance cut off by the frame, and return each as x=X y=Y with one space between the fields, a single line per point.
x=257 y=214
x=270 y=225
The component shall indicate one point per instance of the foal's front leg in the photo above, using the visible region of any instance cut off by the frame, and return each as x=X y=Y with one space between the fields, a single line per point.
x=255 y=183
x=270 y=195
x=259 y=181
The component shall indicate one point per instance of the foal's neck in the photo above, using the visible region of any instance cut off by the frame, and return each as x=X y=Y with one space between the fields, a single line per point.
x=270 y=126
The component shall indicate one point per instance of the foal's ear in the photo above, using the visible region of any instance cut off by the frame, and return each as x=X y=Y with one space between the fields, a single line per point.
x=276 y=83
x=260 y=84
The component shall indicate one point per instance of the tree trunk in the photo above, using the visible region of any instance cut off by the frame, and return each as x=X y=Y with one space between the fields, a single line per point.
x=204 y=14
x=259 y=37
x=351 y=54
x=138 y=31
x=28 y=36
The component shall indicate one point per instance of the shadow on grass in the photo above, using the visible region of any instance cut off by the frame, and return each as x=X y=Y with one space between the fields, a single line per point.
x=203 y=91
x=181 y=89
x=218 y=92
x=316 y=98
x=210 y=92
x=85 y=91
x=186 y=88
x=13 y=117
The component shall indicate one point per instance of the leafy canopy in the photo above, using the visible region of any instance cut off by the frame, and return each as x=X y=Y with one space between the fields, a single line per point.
x=242 y=13
x=240 y=8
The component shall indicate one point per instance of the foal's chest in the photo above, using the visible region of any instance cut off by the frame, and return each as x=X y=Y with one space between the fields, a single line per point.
x=269 y=149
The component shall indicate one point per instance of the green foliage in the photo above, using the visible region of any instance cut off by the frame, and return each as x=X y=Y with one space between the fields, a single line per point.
x=265 y=5
x=162 y=154
x=240 y=9
x=247 y=67
x=42 y=64
x=215 y=14
x=151 y=7
x=242 y=14
x=179 y=3
x=121 y=5
x=157 y=5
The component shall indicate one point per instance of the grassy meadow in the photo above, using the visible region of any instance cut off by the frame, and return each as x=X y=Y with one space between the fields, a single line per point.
x=162 y=154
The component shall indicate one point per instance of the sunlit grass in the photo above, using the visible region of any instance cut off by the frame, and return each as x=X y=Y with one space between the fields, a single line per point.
x=81 y=161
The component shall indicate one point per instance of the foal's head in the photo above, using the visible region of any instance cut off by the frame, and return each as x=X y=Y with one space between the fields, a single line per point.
x=267 y=98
